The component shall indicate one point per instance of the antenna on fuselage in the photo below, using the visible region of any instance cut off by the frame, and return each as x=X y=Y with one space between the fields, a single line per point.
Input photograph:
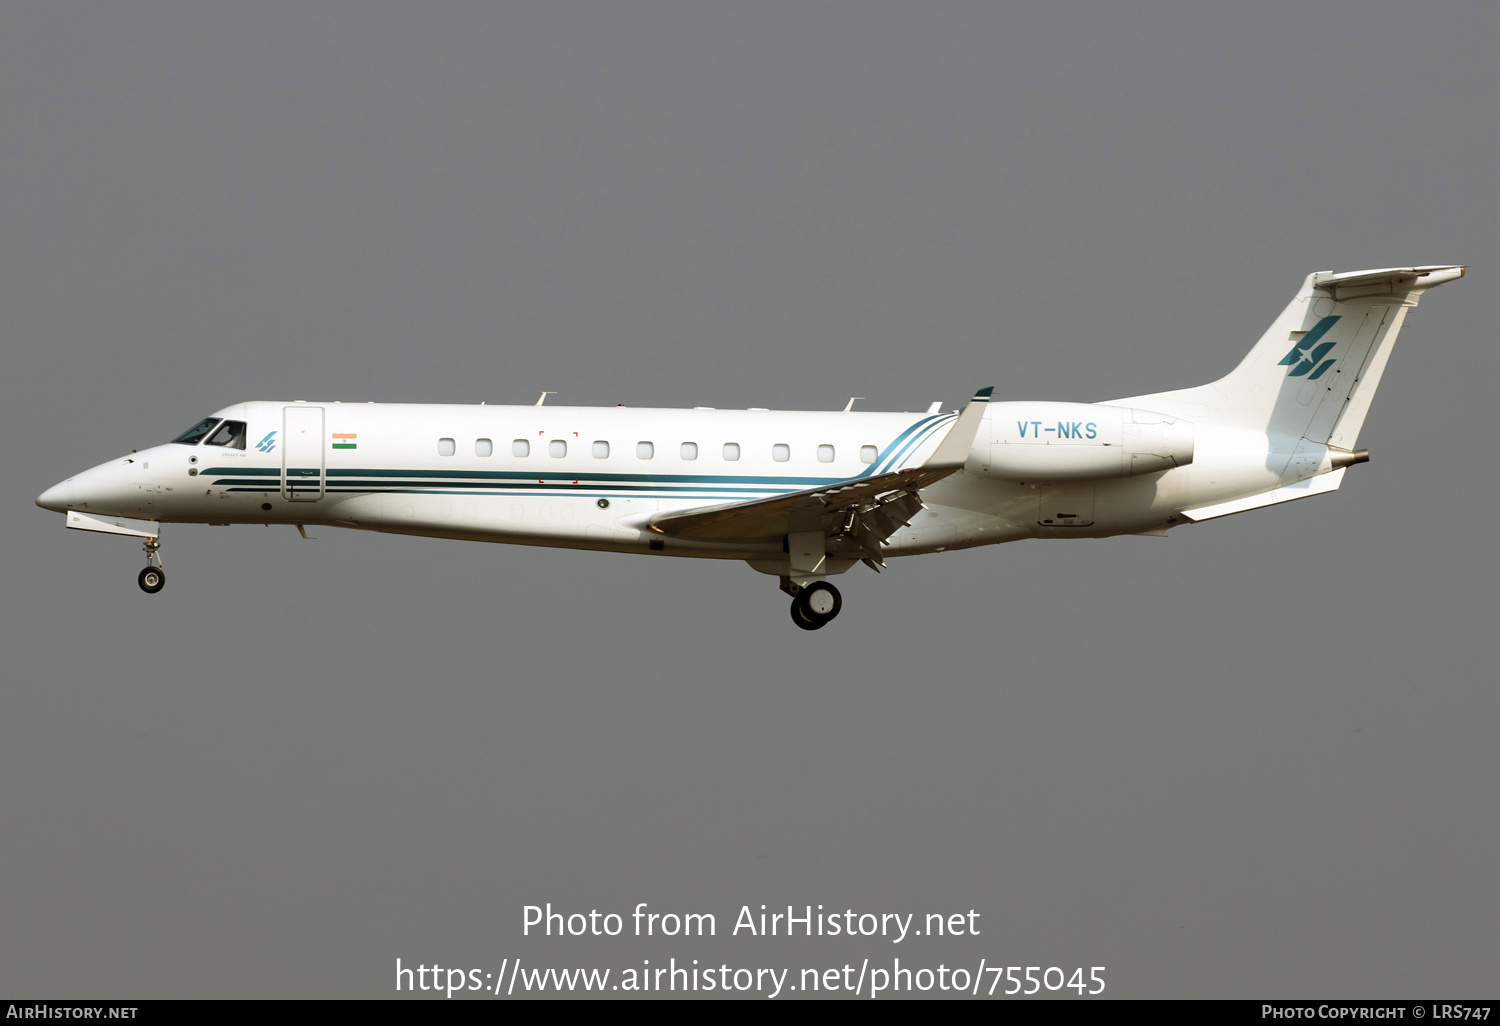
x=850 y=404
x=936 y=407
x=542 y=399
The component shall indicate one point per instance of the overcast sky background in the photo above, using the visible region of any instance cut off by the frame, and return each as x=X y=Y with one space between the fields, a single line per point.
x=1255 y=758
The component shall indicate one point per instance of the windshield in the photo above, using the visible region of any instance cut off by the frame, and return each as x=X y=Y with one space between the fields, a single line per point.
x=231 y=434
x=194 y=434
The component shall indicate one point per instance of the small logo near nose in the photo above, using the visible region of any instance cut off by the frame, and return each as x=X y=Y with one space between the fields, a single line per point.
x=268 y=443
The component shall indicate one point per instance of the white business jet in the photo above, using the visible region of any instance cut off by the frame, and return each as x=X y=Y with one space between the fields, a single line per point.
x=802 y=496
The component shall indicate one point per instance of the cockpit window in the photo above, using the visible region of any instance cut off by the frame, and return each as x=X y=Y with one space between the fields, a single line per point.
x=194 y=434
x=232 y=434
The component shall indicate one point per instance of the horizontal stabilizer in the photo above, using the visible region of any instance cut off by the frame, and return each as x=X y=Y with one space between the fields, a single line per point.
x=1400 y=279
x=1300 y=490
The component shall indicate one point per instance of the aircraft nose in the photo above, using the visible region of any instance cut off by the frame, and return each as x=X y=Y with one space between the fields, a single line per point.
x=99 y=490
x=58 y=497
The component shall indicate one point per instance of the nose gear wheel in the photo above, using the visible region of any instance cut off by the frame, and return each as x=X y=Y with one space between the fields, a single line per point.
x=153 y=578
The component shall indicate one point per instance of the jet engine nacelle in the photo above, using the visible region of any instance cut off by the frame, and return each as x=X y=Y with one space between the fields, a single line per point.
x=1069 y=441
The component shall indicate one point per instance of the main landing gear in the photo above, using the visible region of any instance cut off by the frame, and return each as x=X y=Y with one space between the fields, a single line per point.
x=814 y=605
x=153 y=578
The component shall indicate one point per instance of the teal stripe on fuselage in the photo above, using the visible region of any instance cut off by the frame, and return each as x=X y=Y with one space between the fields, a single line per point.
x=578 y=491
x=776 y=483
x=523 y=475
x=497 y=488
x=909 y=439
x=889 y=452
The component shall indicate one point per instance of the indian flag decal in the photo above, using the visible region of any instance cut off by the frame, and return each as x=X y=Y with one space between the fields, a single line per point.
x=345 y=442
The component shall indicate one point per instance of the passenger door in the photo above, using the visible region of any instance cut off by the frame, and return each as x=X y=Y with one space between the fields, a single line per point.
x=302 y=454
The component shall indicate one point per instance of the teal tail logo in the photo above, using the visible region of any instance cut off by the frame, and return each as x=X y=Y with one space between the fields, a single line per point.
x=1306 y=353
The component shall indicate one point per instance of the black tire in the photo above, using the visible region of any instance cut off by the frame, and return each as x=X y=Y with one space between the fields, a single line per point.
x=152 y=580
x=815 y=605
x=802 y=619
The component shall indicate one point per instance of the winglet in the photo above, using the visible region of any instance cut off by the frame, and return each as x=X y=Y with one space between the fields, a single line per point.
x=954 y=450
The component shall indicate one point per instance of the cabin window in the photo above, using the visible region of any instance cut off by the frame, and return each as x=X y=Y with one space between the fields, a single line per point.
x=644 y=450
x=231 y=434
x=194 y=434
x=825 y=454
x=868 y=454
x=557 y=448
x=601 y=450
x=520 y=447
x=446 y=447
x=731 y=451
x=689 y=450
x=483 y=447
x=781 y=453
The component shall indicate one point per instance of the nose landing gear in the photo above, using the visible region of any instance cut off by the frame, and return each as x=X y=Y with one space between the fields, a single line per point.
x=153 y=578
x=815 y=605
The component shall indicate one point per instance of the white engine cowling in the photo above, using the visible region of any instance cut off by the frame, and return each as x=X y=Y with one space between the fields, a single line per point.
x=1071 y=441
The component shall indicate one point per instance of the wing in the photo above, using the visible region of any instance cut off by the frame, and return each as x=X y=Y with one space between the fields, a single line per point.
x=869 y=508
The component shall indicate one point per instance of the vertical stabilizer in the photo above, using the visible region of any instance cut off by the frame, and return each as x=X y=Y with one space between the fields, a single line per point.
x=1313 y=373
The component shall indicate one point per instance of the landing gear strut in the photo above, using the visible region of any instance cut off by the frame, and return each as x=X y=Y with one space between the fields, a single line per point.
x=815 y=605
x=153 y=578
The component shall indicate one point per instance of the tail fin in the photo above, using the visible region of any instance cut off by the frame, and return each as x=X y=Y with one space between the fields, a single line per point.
x=1313 y=373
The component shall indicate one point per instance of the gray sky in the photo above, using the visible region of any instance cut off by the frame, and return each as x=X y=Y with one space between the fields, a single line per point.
x=1255 y=758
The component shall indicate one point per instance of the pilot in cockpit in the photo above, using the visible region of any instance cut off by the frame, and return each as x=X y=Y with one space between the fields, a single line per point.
x=231 y=434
